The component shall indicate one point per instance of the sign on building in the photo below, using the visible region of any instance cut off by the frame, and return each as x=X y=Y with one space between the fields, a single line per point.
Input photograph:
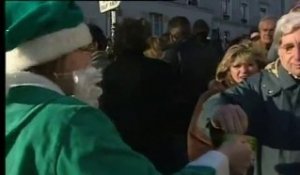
x=108 y=5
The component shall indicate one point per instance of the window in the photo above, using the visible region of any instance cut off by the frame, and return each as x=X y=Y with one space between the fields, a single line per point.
x=263 y=11
x=226 y=37
x=244 y=12
x=156 y=20
x=226 y=8
x=192 y=2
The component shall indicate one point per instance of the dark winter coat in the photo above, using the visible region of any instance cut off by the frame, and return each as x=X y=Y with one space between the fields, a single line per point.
x=271 y=100
x=136 y=96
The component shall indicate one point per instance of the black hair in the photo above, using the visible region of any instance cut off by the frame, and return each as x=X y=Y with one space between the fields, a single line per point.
x=180 y=22
x=98 y=36
x=237 y=40
x=131 y=35
x=200 y=25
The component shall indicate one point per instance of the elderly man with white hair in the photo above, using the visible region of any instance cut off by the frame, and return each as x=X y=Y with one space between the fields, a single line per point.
x=267 y=105
x=272 y=53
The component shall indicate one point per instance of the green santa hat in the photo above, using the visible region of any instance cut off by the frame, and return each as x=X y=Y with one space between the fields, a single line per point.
x=37 y=32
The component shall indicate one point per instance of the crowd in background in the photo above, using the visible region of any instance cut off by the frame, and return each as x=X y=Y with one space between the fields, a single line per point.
x=164 y=81
x=157 y=81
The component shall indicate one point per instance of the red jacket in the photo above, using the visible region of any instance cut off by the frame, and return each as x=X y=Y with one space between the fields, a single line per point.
x=198 y=142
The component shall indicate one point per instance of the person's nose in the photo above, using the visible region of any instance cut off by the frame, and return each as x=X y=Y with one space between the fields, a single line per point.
x=297 y=52
x=244 y=69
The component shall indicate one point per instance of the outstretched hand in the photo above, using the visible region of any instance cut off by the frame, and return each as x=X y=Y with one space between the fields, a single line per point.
x=231 y=118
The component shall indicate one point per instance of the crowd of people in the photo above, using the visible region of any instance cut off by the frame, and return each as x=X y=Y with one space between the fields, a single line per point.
x=180 y=103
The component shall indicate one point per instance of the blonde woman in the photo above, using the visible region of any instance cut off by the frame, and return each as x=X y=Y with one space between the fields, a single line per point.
x=239 y=62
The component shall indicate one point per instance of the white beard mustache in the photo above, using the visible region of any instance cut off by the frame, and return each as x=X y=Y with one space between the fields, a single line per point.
x=85 y=86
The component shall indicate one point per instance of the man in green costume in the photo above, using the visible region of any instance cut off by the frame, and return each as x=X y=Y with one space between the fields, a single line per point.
x=51 y=124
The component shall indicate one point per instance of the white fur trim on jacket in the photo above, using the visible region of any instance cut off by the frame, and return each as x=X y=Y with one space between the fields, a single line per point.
x=28 y=78
x=46 y=48
x=213 y=159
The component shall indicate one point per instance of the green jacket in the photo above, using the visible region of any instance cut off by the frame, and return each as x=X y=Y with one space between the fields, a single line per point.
x=48 y=133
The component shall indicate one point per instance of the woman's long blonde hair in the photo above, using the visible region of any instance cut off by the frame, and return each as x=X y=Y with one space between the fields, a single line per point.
x=243 y=50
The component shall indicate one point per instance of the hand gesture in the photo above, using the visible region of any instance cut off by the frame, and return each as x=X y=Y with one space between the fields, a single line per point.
x=231 y=119
x=239 y=152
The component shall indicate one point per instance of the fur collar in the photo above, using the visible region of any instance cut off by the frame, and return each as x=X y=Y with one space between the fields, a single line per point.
x=27 y=78
x=273 y=67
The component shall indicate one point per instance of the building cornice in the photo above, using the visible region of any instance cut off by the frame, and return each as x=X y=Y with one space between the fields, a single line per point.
x=185 y=6
x=232 y=23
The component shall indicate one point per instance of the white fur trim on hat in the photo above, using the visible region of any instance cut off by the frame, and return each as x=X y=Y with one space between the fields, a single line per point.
x=46 y=48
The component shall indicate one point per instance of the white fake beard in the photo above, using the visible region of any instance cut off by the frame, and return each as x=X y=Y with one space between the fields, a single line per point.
x=85 y=85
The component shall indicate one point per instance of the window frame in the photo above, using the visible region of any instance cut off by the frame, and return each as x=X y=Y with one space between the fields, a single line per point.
x=226 y=9
x=261 y=7
x=192 y=2
x=157 y=23
x=244 y=7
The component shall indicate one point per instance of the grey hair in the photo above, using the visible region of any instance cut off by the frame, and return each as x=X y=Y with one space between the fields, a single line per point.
x=285 y=25
x=266 y=18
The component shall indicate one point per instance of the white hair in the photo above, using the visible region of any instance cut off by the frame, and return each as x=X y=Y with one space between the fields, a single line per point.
x=266 y=18
x=285 y=25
